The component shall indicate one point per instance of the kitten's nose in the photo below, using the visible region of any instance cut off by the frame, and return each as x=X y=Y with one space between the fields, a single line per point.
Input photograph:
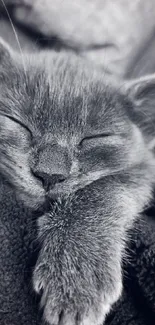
x=52 y=165
x=50 y=180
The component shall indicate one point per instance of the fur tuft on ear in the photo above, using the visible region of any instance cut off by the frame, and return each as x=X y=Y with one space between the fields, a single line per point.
x=142 y=94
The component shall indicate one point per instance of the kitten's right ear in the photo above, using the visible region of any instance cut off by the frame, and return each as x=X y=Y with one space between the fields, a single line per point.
x=141 y=92
x=5 y=54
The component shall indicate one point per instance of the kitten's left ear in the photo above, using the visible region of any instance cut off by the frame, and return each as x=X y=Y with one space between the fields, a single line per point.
x=142 y=94
x=5 y=54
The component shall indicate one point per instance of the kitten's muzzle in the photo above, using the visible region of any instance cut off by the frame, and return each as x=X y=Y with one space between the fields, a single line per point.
x=52 y=166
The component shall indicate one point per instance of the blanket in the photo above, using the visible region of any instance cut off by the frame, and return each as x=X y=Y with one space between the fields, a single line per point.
x=137 y=304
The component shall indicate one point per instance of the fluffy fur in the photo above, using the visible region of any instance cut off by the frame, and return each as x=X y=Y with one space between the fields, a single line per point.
x=80 y=149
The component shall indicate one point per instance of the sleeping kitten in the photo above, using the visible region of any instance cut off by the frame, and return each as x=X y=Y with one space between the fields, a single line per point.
x=83 y=151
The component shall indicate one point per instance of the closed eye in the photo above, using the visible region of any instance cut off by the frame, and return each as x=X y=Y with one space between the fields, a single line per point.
x=96 y=136
x=18 y=122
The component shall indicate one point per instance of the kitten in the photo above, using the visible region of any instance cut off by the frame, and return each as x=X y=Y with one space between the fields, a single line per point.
x=82 y=150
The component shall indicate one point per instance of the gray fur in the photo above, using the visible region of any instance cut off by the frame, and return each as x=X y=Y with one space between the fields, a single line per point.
x=76 y=144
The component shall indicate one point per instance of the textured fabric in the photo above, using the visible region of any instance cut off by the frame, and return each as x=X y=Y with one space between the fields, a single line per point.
x=137 y=305
x=18 y=305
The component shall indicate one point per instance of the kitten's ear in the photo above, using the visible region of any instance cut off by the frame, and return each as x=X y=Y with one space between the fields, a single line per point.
x=142 y=94
x=5 y=54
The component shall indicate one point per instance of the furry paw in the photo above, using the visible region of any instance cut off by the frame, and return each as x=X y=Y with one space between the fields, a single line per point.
x=72 y=308
x=76 y=288
x=69 y=307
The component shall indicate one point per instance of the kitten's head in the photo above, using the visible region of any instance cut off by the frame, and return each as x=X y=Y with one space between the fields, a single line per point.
x=63 y=128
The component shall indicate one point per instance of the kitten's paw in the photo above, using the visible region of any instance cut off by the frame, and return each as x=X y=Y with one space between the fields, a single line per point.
x=95 y=315
x=77 y=283
x=68 y=303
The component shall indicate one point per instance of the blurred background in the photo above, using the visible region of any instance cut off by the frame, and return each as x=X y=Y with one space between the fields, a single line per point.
x=116 y=35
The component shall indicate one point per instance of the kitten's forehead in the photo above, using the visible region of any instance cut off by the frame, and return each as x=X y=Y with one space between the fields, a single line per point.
x=60 y=97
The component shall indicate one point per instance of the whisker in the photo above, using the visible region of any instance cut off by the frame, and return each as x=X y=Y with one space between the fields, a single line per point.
x=16 y=36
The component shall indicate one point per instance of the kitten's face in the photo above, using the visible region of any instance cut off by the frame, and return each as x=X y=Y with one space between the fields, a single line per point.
x=62 y=128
